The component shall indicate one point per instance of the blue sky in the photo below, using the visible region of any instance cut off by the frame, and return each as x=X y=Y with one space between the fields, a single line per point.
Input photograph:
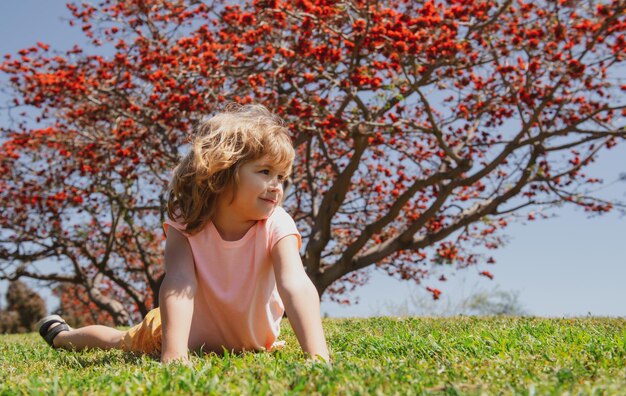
x=565 y=266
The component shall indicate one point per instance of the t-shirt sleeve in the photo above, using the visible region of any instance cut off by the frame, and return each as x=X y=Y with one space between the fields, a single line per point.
x=282 y=225
x=179 y=226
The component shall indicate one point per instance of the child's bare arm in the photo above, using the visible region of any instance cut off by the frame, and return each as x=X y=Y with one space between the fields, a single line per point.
x=176 y=297
x=300 y=297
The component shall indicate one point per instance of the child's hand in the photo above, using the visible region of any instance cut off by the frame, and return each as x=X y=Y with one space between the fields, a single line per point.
x=317 y=359
x=176 y=359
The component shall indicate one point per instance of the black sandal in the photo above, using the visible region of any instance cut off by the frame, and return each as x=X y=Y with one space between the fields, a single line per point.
x=49 y=334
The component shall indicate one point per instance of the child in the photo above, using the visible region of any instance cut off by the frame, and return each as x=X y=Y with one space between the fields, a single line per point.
x=231 y=254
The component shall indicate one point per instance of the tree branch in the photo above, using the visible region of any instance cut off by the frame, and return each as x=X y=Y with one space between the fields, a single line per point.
x=391 y=215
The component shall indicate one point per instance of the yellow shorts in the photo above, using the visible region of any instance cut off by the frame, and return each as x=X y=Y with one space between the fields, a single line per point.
x=146 y=336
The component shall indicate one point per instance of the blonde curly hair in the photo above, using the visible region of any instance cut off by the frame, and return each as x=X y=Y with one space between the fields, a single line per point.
x=219 y=146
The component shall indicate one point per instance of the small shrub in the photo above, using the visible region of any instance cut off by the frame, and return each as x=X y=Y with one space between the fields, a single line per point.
x=24 y=308
x=10 y=322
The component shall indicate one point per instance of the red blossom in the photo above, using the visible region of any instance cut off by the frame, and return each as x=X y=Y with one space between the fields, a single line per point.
x=486 y=274
x=435 y=292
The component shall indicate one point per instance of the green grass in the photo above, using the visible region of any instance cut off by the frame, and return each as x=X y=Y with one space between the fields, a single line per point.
x=449 y=356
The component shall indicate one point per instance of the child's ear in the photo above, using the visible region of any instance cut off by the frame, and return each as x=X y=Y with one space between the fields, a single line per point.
x=229 y=191
x=231 y=186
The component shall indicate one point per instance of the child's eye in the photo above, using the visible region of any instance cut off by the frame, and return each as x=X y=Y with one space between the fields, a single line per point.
x=265 y=171
x=282 y=178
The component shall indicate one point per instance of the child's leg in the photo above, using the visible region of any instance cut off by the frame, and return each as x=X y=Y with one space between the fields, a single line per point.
x=144 y=337
x=95 y=336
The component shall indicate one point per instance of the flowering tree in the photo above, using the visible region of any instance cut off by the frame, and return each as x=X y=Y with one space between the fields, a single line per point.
x=421 y=130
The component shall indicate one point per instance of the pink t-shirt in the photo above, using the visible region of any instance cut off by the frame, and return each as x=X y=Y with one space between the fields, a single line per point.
x=237 y=305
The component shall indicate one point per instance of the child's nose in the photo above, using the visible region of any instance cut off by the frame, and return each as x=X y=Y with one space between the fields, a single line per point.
x=275 y=184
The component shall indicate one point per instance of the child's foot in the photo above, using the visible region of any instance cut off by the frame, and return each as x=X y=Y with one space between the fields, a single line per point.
x=50 y=326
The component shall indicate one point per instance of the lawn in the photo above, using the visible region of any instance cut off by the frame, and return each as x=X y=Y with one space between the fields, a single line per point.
x=460 y=355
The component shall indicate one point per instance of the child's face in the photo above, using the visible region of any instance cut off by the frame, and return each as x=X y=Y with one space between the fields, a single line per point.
x=260 y=189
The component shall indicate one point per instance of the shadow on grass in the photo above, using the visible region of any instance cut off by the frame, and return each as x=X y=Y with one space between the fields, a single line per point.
x=96 y=358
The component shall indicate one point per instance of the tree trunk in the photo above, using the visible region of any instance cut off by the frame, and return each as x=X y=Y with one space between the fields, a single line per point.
x=120 y=315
